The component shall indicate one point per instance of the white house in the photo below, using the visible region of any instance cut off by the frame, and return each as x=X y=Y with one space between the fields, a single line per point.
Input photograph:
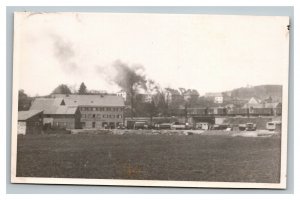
x=217 y=97
x=123 y=94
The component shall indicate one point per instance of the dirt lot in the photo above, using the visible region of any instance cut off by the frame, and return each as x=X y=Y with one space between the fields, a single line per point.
x=153 y=157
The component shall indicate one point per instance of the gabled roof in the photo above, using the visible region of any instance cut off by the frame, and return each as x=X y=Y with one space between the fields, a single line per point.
x=94 y=100
x=48 y=105
x=52 y=106
x=254 y=100
x=24 y=115
x=66 y=110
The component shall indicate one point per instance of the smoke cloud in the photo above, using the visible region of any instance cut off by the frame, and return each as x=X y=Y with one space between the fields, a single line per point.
x=64 y=52
x=129 y=78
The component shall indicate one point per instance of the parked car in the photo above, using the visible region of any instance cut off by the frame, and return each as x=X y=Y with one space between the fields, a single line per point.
x=140 y=125
x=250 y=127
x=121 y=126
x=247 y=127
x=219 y=127
x=164 y=126
x=274 y=125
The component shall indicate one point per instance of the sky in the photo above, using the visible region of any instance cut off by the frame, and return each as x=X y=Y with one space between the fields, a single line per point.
x=209 y=53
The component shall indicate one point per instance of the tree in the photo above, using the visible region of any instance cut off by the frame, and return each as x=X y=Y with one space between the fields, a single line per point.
x=82 y=89
x=151 y=110
x=162 y=105
x=24 y=101
x=62 y=89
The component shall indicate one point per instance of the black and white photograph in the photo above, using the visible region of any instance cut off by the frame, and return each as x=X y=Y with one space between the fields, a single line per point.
x=133 y=99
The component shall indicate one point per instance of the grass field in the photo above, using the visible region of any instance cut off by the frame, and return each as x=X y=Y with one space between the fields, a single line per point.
x=150 y=157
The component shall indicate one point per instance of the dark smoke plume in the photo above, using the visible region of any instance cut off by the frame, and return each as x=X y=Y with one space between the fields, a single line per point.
x=129 y=78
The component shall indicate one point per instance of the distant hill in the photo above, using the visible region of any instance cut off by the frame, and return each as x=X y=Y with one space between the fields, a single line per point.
x=261 y=92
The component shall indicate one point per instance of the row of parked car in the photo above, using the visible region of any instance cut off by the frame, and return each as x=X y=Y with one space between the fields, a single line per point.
x=274 y=125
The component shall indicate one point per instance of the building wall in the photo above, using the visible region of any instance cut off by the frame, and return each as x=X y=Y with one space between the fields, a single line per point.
x=64 y=121
x=32 y=125
x=97 y=117
x=21 y=128
x=122 y=94
x=218 y=99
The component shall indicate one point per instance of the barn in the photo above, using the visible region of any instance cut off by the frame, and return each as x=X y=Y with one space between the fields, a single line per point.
x=30 y=122
x=57 y=114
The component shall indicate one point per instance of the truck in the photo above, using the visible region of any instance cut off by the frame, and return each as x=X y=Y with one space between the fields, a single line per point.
x=178 y=126
x=202 y=126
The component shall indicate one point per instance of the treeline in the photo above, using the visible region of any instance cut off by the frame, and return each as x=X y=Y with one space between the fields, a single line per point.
x=260 y=92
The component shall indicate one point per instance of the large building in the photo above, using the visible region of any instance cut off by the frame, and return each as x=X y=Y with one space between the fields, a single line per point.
x=97 y=111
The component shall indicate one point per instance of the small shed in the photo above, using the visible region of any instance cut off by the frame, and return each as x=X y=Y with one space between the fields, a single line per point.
x=30 y=122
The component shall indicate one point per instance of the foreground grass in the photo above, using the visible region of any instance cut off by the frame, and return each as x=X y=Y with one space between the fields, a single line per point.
x=150 y=157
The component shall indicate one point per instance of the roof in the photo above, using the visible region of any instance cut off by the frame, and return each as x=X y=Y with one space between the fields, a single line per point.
x=94 y=100
x=262 y=105
x=24 y=115
x=213 y=94
x=66 y=110
x=254 y=105
x=254 y=100
x=52 y=106
x=272 y=105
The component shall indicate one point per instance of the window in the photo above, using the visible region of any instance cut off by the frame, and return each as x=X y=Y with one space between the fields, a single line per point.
x=101 y=109
x=94 y=109
x=108 y=109
x=94 y=115
x=83 y=116
x=98 y=116
x=104 y=116
x=104 y=124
